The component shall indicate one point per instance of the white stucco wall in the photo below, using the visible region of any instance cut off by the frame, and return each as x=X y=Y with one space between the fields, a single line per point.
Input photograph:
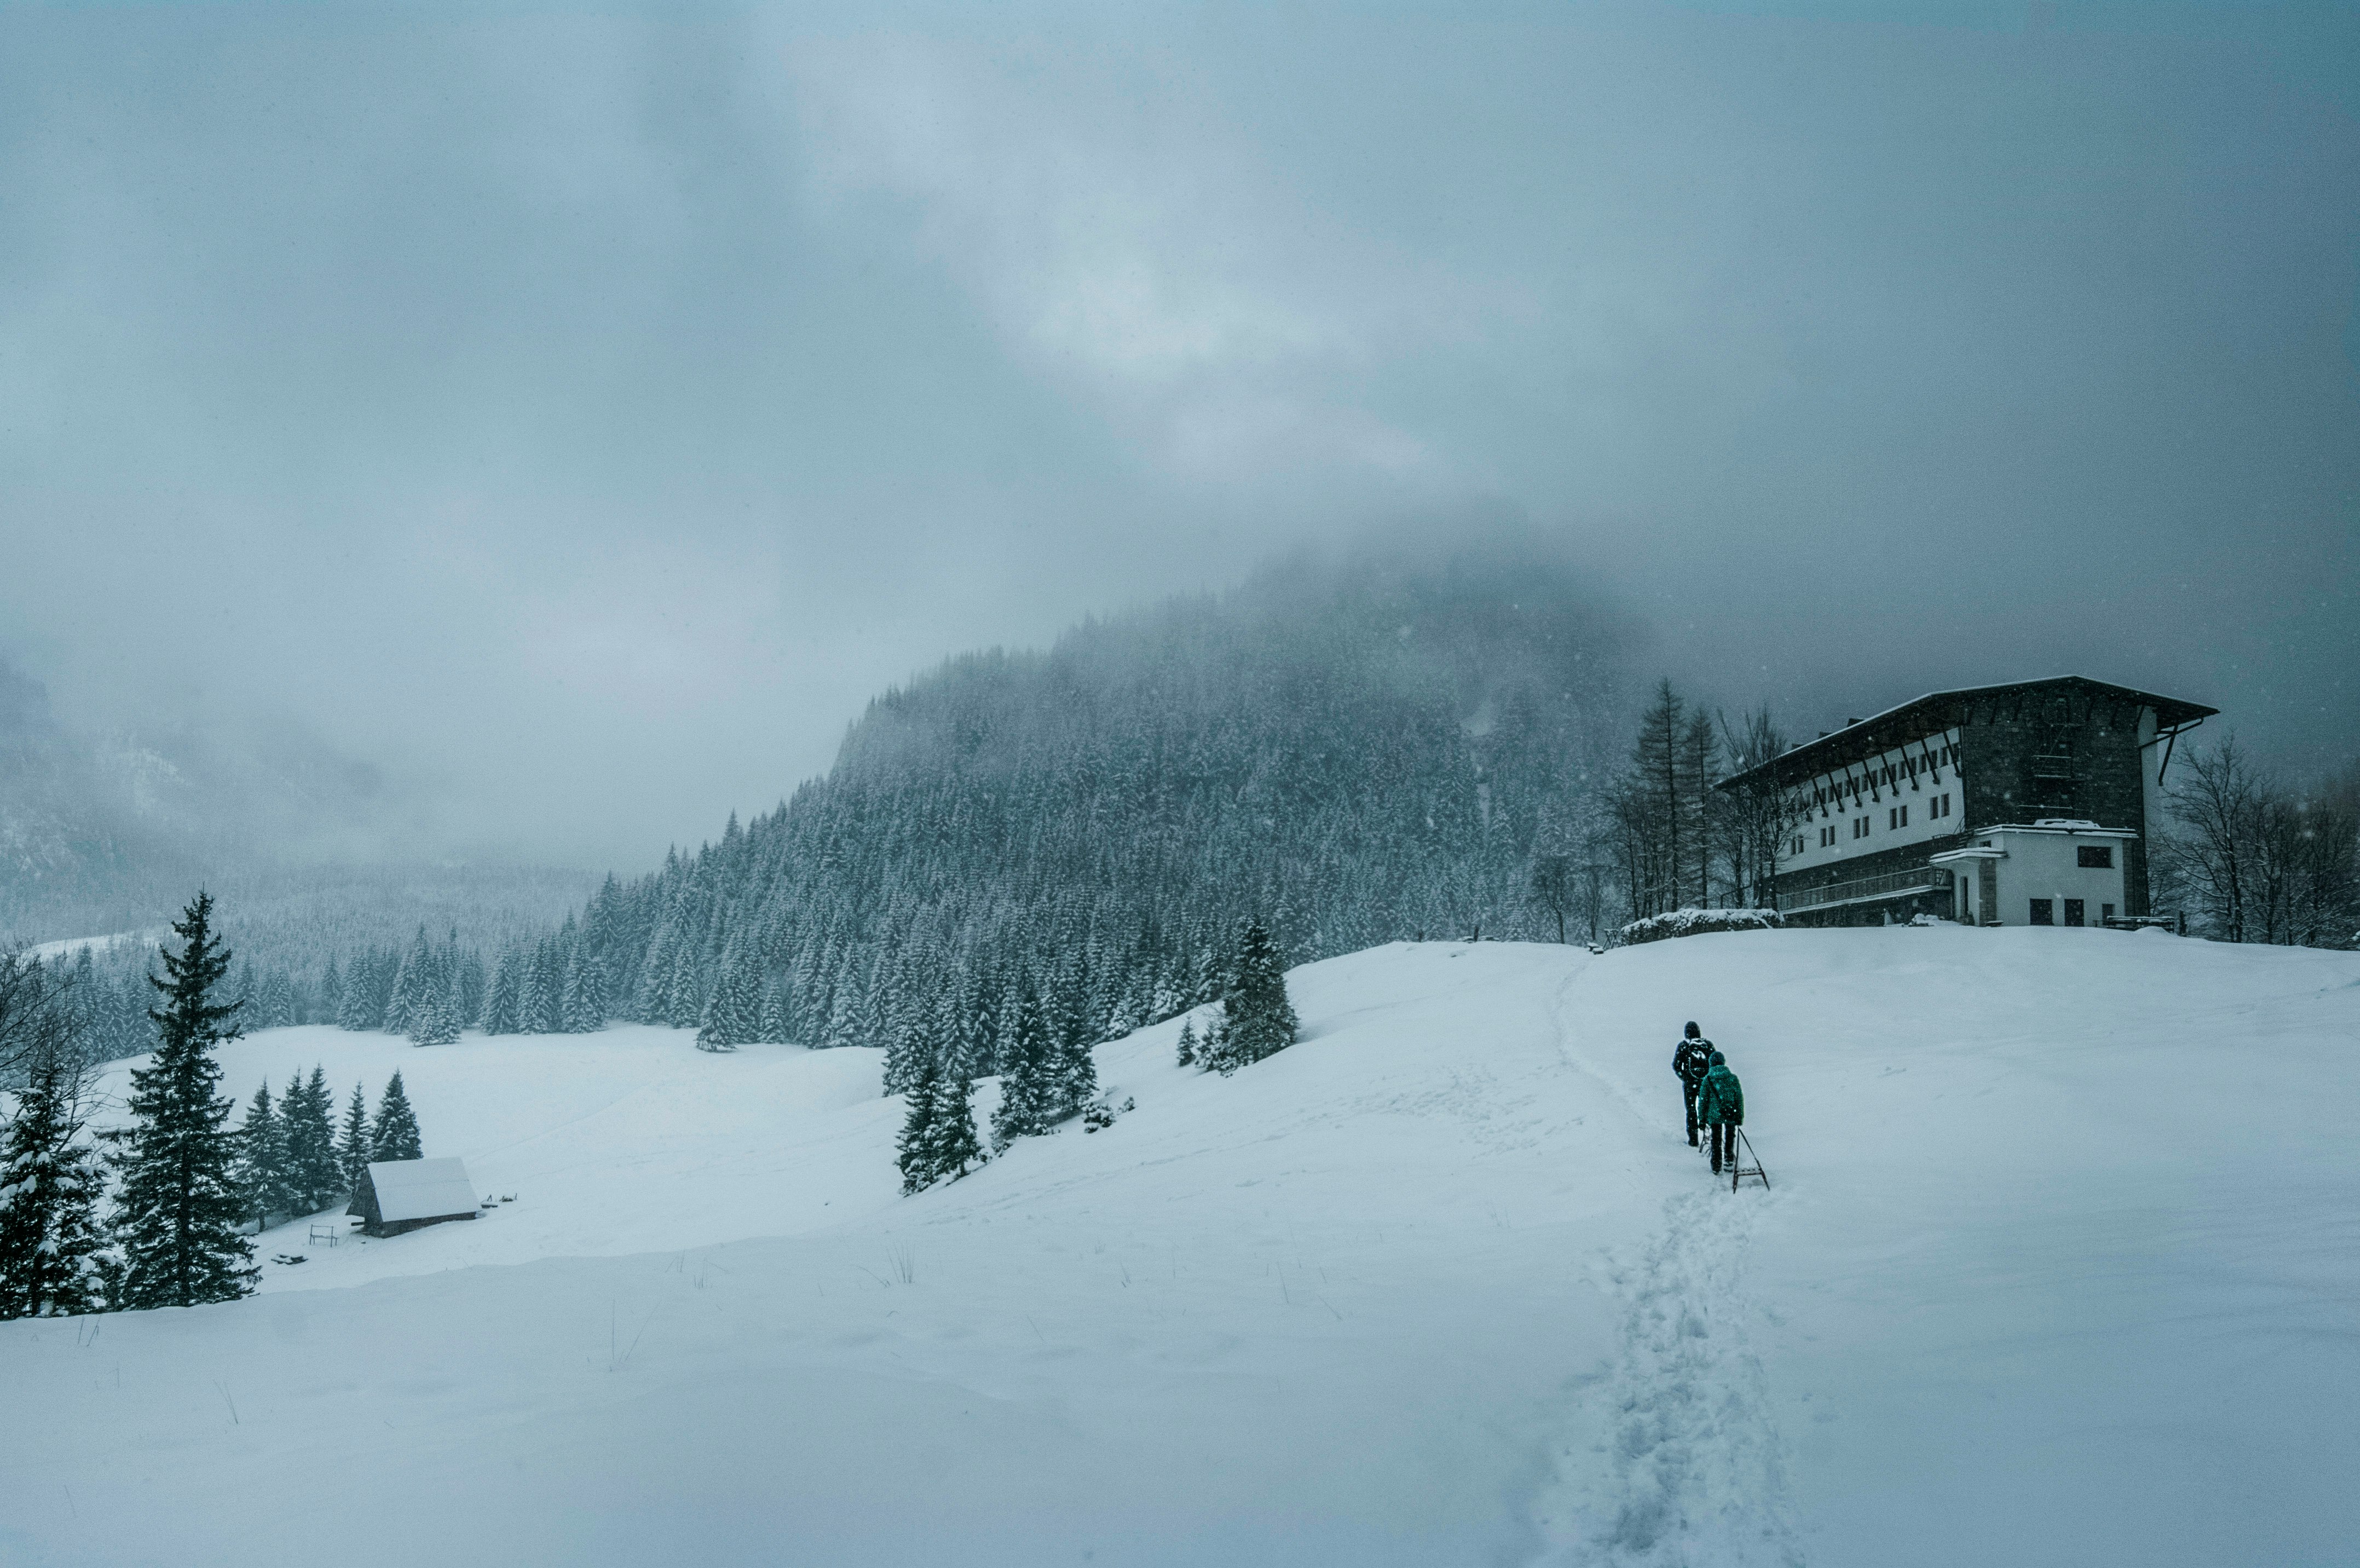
x=1909 y=776
x=2045 y=865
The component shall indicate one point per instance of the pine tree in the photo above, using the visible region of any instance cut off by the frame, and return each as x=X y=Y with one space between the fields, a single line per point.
x=773 y=1028
x=262 y=1174
x=583 y=1010
x=360 y=1010
x=952 y=1144
x=396 y=1128
x=917 y=1047
x=330 y=1007
x=1188 y=1042
x=308 y=1112
x=731 y=1017
x=916 y=1146
x=1257 y=1019
x=1075 y=1082
x=432 y=1020
x=181 y=1207
x=408 y=981
x=528 y=1002
x=50 y=1189
x=500 y=996
x=354 y=1149
x=1028 y=1076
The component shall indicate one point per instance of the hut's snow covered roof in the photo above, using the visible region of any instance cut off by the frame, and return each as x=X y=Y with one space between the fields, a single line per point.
x=421 y=1189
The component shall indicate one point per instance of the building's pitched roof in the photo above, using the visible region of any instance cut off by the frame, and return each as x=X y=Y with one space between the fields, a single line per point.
x=1871 y=737
x=421 y=1189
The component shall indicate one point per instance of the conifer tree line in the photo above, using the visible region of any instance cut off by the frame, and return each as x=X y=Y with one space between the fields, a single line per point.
x=427 y=990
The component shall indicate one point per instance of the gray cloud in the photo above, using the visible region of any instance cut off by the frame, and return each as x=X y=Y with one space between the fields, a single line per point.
x=576 y=416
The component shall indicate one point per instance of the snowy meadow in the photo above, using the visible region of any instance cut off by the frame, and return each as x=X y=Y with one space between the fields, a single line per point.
x=2057 y=1266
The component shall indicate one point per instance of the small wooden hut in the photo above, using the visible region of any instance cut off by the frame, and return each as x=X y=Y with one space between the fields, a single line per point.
x=397 y=1195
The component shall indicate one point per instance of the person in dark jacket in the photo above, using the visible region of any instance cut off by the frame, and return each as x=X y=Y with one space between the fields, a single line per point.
x=1691 y=1058
x=1721 y=1100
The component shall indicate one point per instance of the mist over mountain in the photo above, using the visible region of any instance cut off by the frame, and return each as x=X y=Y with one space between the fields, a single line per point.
x=106 y=831
x=1353 y=749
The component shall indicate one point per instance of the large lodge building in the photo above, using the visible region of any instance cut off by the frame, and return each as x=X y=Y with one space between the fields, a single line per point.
x=2013 y=804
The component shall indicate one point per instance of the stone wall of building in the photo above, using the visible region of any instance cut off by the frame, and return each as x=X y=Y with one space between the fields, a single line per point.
x=2069 y=754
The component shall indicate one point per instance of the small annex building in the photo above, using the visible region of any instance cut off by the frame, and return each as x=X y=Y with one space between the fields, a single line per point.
x=2028 y=803
x=397 y=1195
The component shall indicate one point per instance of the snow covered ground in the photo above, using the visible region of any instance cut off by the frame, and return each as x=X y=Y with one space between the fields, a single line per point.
x=2061 y=1266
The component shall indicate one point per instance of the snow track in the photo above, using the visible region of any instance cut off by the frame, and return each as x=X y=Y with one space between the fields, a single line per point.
x=1675 y=1458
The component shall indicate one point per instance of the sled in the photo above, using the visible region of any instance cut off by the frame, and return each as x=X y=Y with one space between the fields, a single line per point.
x=1739 y=1170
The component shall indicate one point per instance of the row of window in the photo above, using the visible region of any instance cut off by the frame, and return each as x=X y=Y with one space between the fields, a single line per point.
x=1895 y=818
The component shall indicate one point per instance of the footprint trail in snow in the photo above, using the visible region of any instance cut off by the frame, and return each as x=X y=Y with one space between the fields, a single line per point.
x=1674 y=1460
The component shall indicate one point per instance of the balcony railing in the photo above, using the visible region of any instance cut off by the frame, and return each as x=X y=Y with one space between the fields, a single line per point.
x=1864 y=890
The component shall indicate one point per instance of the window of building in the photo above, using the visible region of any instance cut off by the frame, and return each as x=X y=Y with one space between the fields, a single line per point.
x=2044 y=912
x=1860 y=826
x=1905 y=814
x=2095 y=856
x=2105 y=915
x=2074 y=907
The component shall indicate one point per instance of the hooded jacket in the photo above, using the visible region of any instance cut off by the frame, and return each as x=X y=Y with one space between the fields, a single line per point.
x=1721 y=1099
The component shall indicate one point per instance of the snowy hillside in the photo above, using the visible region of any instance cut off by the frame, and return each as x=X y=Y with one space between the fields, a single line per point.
x=2060 y=1267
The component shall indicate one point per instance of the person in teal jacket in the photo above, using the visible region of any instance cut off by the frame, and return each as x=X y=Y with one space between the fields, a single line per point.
x=1720 y=1106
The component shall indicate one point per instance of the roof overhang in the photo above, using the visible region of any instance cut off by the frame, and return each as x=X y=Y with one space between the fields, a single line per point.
x=1913 y=720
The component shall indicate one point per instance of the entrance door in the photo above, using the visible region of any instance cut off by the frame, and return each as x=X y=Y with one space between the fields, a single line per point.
x=2072 y=912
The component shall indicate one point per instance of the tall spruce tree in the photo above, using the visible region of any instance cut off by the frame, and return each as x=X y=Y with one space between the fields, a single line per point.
x=1257 y=1018
x=262 y=1166
x=1029 y=1075
x=583 y=1010
x=51 y=1184
x=408 y=981
x=180 y=1208
x=434 y=1019
x=308 y=1113
x=354 y=1149
x=915 y=1148
x=395 y=1133
x=731 y=1016
x=916 y=1047
x=951 y=1142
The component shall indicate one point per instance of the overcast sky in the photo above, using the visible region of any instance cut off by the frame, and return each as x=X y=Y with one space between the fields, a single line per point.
x=579 y=412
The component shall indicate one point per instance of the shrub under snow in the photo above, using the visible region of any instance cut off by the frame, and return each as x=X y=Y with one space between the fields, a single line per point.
x=1696 y=922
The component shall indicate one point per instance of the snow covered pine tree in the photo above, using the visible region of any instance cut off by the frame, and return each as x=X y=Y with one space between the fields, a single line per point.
x=50 y=1189
x=307 y=1112
x=914 y=1149
x=1257 y=1019
x=1029 y=1075
x=952 y=1139
x=354 y=1147
x=262 y=1173
x=397 y=1126
x=180 y=1208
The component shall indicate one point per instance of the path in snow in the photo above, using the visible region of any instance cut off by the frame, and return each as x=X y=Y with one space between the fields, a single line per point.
x=1672 y=1455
